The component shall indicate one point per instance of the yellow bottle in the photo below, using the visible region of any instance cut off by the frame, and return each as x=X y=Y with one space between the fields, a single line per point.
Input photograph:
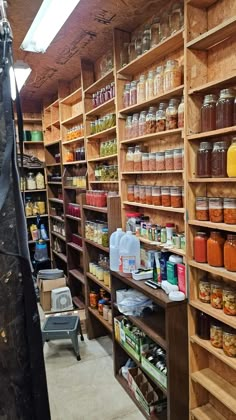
x=231 y=159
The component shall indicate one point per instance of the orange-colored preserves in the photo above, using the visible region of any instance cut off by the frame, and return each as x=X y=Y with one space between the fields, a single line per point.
x=215 y=250
x=230 y=253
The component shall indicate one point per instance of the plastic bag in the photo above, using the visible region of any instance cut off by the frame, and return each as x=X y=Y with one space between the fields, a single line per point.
x=134 y=303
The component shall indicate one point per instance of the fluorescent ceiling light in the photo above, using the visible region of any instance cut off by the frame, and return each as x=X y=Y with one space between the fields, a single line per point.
x=22 y=72
x=47 y=23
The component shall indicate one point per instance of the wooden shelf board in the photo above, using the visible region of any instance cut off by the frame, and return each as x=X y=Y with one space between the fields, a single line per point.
x=29 y=143
x=201 y=4
x=34 y=191
x=219 y=353
x=68 y=216
x=60 y=255
x=76 y=162
x=60 y=219
x=93 y=208
x=71 y=187
x=78 y=302
x=102 y=109
x=73 y=98
x=56 y=123
x=211 y=180
x=219 y=33
x=101 y=319
x=215 y=84
x=52 y=143
x=213 y=133
x=55 y=103
x=68 y=142
x=145 y=104
x=211 y=225
x=55 y=200
x=31 y=120
x=162 y=50
x=34 y=217
x=58 y=235
x=103 y=158
x=48 y=165
x=148 y=137
x=207 y=412
x=100 y=283
x=33 y=242
x=149 y=324
x=72 y=120
x=152 y=172
x=215 y=313
x=75 y=246
x=103 y=248
x=100 y=83
x=217 y=386
x=149 y=206
x=177 y=251
x=54 y=182
x=104 y=182
x=77 y=275
x=102 y=134
x=218 y=271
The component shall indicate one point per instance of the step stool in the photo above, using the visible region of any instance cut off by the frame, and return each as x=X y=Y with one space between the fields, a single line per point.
x=63 y=327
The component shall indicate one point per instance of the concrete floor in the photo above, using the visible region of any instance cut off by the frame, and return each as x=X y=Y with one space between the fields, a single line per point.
x=86 y=390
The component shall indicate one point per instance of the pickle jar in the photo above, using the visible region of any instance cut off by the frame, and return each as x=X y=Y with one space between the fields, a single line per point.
x=150 y=85
x=172 y=115
x=230 y=211
x=216 y=296
x=229 y=301
x=202 y=209
x=161 y=117
x=151 y=120
x=141 y=89
x=172 y=75
x=219 y=160
x=155 y=32
x=142 y=123
x=204 y=291
x=216 y=335
x=208 y=113
x=229 y=342
x=216 y=209
x=225 y=108
x=159 y=81
x=204 y=160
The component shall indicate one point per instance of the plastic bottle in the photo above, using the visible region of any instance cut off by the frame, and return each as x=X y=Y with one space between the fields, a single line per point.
x=129 y=253
x=158 y=267
x=114 y=249
x=43 y=232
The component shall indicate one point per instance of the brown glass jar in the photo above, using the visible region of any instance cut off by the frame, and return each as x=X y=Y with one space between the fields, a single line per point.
x=208 y=113
x=204 y=160
x=225 y=108
x=219 y=160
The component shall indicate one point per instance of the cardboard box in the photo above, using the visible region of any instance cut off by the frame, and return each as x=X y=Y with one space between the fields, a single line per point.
x=130 y=342
x=45 y=288
x=153 y=371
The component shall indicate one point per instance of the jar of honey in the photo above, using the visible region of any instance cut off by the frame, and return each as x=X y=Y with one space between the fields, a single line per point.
x=230 y=253
x=204 y=160
x=200 y=247
x=219 y=160
x=225 y=108
x=208 y=113
x=215 y=250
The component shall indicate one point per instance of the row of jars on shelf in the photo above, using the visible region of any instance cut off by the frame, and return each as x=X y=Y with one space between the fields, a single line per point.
x=58 y=227
x=157 y=82
x=160 y=29
x=216 y=209
x=166 y=117
x=97 y=232
x=167 y=160
x=98 y=198
x=76 y=181
x=103 y=95
x=218 y=294
x=215 y=250
x=108 y=148
x=73 y=210
x=101 y=269
x=58 y=246
x=101 y=124
x=33 y=208
x=219 y=112
x=106 y=173
x=102 y=302
x=75 y=154
x=217 y=160
x=75 y=132
x=156 y=195
x=32 y=181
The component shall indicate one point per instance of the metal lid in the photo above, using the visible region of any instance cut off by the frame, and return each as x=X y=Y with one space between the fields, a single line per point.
x=205 y=145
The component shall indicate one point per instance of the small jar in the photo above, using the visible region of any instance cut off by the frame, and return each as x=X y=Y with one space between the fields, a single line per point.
x=215 y=250
x=225 y=108
x=161 y=117
x=150 y=85
x=229 y=300
x=202 y=209
x=130 y=193
x=230 y=253
x=107 y=278
x=216 y=335
x=136 y=194
x=152 y=162
x=229 y=342
x=176 y=197
x=219 y=160
x=133 y=93
x=172 y=75
x=204 y=160
x=208 y=113
x=146 y=42
x=129 y=160
x=135 y=125
x=172 y=115
x=160 y=161
x=169 y=160
x=159 y=81
x=145 y=162
x=230 y=211
x=216 y=296
x=155 y=32
x=93 y=300
x=142 y=194
x=148 y=193
x=204 y=291
x=151 y=120
x=181 y=113
x=165 y=197
x=31 y=181
x=141 y=89
x=126 y=95
x=142 y=124
x=137 y=159
x=178 y=159
x=216 y=209
x=128 y=127
x=200 y=247
x=156 y=196
x=203 y=325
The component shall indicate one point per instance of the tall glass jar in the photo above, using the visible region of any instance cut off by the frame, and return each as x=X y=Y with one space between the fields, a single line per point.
x=31 y=181
x=126 y=95
x=124 y=55
x=40 y=182
x=178 y=159
x=150 y=85
x=181 y=113
x=202 y=212
x=215 y=250
x=128 y=127
x=142 y=124
x=176 y=17
x=165 y=196
x=200 y=247
x=208 y=113
x=129 y=161
x=159 y=81
x=145 y=162
x=142 y=194
x=225 y=108
x=230 y=211
x=155 y=32
x=204 y=160
x=172 y=75
x=172 y=114
x=137 y=159
x=141 y=89
x=135 y=125
x=161 y=117
x=219 y=160
x=231 y=159
x=230 y=253
x=165 y=28
x=216 y=209
x=151 y=120
x=133 y=93
x=169 y=160
x=160 y=161
x=138 y=43
x=132 y=50
x=146 y=42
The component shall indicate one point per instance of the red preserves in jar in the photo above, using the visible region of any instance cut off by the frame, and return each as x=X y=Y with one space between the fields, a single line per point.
x=165 y=196
x=230 y=253
x=208 y=113
x=136 y=194
x=225 y=108
x=176 y=197
x=216 y=209
x=202 y=212
x=219 y=160
x=215 y=250
x=204 y=160
x=200 y=247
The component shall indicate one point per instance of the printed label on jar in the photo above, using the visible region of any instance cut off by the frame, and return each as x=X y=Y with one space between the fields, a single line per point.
x=127 y=264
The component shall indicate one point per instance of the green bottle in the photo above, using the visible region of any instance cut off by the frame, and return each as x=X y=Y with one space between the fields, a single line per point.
x=154 y=273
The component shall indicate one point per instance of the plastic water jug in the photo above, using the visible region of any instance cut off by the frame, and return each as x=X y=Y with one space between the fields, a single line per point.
x=114 y=249
x=129 y=253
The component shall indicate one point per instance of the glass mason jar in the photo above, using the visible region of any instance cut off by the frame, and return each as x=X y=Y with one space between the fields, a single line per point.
x=142 y=124
x=181 y=113
x=202 y=212
x=142 y=194
x=141 y=89
x=40 y=182
x=128 y=127
x=29 y=208
x=178 y=159
x=200 y=247
x=230 y=211
x=150 y=85
x=130 y=192
x=161 y=117
x=152 y=162
x=133 y=93
x=160 y=161
x=31 y=181
x=148 y=192
x=165 y=28
x=124 y=55
x=172 y=114
x=176 y=197
x=225 y=108
x=219 y=160
x=145 y=162
x=155 y=32
x=135 y=125
x=132 y=50
x=169 y=160
x=126 y=95
x=176 y=17
x=137 y=159
x=216 y=335
x=156 y=195
x=129 y=161
x=165 y=196
x=230 y=253
x=231 y=159
x=138 y=43
x=229 y=298
x=136 y=194
x=146 y=41
x=159 y=81
x=216 y=209
x=204 y=291
x=151 y=120
x=215 y=250
x=208 y=113
x=172 y=75
x=204 y=160
x=229 y=342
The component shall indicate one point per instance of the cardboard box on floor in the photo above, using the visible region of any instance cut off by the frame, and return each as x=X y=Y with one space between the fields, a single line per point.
x=45 y=288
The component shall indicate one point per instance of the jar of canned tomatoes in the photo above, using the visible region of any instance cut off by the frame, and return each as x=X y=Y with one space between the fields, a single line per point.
x=230 y=211
x=216 y=209
x=230 y=253
x=202 y=212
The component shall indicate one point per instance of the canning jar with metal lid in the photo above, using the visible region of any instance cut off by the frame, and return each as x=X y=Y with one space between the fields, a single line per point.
x=150 y=85
x=129 y=161
x=176 y=197
x=138 y=43
x=216 y=209
x=176 y=17
x=136 y=194
x=124 y=54
x=135 y=125
x=200 y=247
x=133 y=93
x=204 y=160
x=155 y=32
x=230 y=211
x=204 y=291
x=216 y=335
x=215 y=249
x=128 y=127
x=165 y=196
x=178 y=159
x=208 y=113
x=219 y=160
x=161 y=117
x=202 y=212
x=229 y=301
x=151 y=120
x=156 y=195
x=169 y=160
x=230 y=253
x=216 y=295
x=142 y=194
x=126 y=95
x=159 y=80
x=165 y=27
x=145 y=162
x=130 y=192
x=132 y=50
x=146 y=42
x=142 y=124
x=229 y=342
x=225 y=108
x=152 y=162
x=141 y=89
x=172 y=114
x=160 y=161
x=137 y=159
x=172 y=75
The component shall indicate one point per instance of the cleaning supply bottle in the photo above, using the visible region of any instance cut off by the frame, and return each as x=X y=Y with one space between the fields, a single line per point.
x=158 y=267
x=43 y=232
x=114 y=248
x=129 y=253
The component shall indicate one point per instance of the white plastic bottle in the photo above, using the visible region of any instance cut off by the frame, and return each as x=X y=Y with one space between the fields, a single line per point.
x=129 y=253
x=114 y=249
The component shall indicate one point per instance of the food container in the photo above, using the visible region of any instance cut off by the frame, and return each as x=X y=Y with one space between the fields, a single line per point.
x=200 y=247
x=145 y=162
x=229 y=342
x=229 y=301
x=169 y=160
x=230 y=211
x=172 y=114
x=219 y=160
x=172 y=75
x=165 y=197
x=178 y=159
x=215 y=249
x=202 y=212
x=160 y=161
x=161 y=117
x=216 y=295
x=156 y=196
x=230 y=253
x=204 y=291
x=204 y=160
x=130 y=193
x=216 y=210
x=208 y=113
x=151 y=120
x=216 y=335
x=176 y=197
x=158 y=81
